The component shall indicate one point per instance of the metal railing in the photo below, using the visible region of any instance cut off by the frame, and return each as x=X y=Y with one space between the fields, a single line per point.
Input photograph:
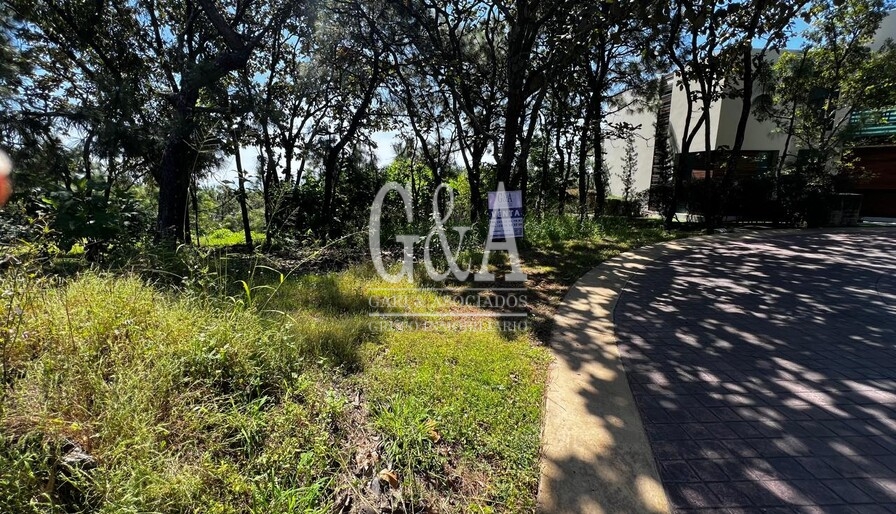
x=870 y=123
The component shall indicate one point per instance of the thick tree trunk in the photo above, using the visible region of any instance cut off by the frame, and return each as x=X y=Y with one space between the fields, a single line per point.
x=517 y=61
x=175 y=169
x=504 y=162
x=174 y=175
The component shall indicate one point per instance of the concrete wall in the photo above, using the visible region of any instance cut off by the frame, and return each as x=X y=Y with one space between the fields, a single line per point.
x=614 y=149
x=886 y=31
x=759 y=136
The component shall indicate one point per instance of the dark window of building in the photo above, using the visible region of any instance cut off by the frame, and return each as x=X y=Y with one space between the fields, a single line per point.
x=750 y=163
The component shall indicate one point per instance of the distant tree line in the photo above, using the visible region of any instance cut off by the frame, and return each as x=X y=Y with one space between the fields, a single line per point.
x=97 y=98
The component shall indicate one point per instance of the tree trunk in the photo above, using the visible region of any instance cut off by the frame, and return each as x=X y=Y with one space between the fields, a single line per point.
x=194 y=197
x=521 y=176
x=779 y=166
x=583 y=175
x=600 y=186
x=682 y=166
x=543 y=172
x=710 y=211
x=241 y=193
x=561 y=169
x=175 y=169
x=517 y=61
x=474 y=177
x=746 y=107
x=330 y=162
x=567 y=170
x=174 y=173
x=268 y=169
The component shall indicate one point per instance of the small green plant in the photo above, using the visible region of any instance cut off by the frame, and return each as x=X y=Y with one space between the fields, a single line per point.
x=411 y=435
x=85 y=212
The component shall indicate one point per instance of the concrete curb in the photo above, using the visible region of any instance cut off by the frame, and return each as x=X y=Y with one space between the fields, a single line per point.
x=595 y=456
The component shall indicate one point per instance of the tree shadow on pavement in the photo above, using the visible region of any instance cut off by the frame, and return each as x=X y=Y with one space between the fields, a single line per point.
x=764 y=370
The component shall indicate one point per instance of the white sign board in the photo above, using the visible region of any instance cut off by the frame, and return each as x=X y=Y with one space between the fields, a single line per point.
x=514 y=211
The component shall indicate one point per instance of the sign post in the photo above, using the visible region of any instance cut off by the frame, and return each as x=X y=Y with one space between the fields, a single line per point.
x=513 y=211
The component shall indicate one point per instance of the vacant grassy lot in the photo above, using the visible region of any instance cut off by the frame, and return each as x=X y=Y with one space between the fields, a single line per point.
x=123 y=398
x=229 y=393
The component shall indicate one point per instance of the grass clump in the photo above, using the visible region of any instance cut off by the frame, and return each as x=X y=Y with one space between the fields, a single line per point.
x=179 y=404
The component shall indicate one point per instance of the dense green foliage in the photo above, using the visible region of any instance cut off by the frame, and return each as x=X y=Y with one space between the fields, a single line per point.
x=106 y=101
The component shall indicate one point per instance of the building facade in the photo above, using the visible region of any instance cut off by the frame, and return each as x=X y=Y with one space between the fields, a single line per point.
x=763 y=146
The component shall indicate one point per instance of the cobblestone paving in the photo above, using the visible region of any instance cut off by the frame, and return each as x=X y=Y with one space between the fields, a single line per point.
x=765 y=372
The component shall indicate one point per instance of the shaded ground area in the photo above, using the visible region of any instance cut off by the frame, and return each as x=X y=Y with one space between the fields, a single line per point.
x=765 y=371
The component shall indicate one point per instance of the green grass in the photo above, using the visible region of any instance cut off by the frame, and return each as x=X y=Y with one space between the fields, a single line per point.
x=276 y=394
x=195 y=404
x=479 y=394
x=226 y=237
x=180 y=402
x=447 y=404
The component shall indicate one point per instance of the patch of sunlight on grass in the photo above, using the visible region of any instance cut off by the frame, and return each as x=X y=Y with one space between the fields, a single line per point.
x=227 y=237
x=481 y=393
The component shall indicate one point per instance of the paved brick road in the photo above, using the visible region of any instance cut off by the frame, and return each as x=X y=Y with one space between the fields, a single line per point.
x=765 y=372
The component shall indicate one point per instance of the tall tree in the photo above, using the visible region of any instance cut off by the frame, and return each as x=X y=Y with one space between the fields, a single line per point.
x=814 y=94
x=769 y=21
x=355 y=49
x=613 y=64
x=457 y=44
x=201 y=55
x=692 y=43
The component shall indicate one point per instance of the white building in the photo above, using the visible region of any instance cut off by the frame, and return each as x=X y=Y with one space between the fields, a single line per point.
x=763 y=143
